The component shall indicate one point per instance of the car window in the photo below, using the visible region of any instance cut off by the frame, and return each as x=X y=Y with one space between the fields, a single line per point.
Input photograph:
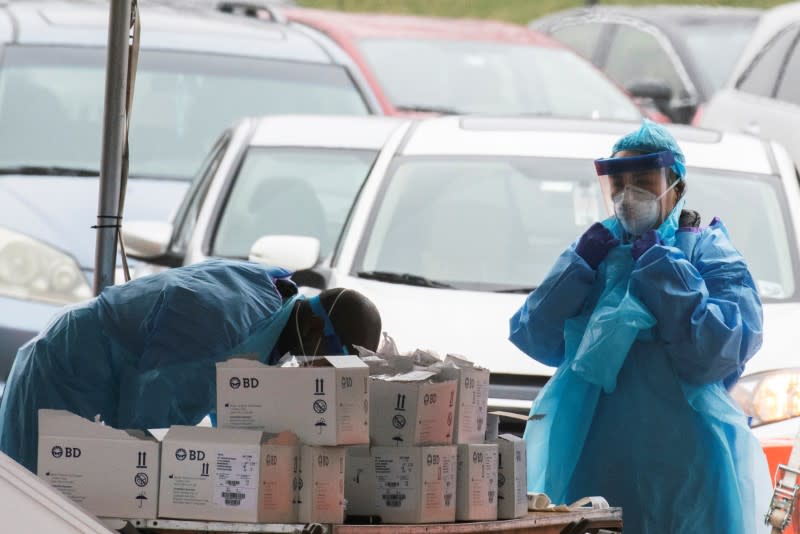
x=483 y=77
x=761 y=76
x=789 y=88
x=583 y=38
x=193 y=201
x=291 y=191
x=771 y=258
x=716 y=45
x=531 y=209
x=182 y=102
x=636 y=55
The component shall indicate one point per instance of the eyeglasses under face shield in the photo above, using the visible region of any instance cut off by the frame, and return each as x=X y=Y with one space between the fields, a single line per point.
x=645 y=173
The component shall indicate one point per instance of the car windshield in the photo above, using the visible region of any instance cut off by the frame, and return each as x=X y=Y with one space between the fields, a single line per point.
x=484 y=77
x=716 y=45
x=499 y=224
x=51 y=104
x=291 y=191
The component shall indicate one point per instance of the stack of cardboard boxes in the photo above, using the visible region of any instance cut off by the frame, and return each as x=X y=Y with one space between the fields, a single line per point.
x=325 y=403
x=408 y=475
x=429 y=461
x=309 y=444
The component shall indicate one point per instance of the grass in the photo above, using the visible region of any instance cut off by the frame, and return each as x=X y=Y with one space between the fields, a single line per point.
x=520 y=11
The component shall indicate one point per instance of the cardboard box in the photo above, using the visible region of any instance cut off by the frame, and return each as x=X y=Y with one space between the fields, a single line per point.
x=359 y=482
x=410 y=409
x=321 y=485
x=110 y=472
x=415 y=484
x=512 y=477
x=228 y=475
x=472 y=398
x=326 y=403
x=280 y=462
x=476 y=498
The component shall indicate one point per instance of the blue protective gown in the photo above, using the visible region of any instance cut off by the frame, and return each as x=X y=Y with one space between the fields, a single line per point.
x=638 y=410
x=143 y=354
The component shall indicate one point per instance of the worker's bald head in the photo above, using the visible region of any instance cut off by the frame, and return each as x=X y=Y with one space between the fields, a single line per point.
x=355 y=320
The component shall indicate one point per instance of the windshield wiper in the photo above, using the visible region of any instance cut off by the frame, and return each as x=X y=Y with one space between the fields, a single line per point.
x=429 y=109
x=524 y=290
x=46 y=170
x=402 y=278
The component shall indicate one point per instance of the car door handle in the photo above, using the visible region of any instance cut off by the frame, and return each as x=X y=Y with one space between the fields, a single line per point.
x=752 y=128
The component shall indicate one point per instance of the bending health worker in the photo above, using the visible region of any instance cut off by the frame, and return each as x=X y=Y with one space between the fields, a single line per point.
x=143 y=354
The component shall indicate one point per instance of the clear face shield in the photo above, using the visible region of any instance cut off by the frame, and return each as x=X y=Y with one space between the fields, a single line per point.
x=633 y=188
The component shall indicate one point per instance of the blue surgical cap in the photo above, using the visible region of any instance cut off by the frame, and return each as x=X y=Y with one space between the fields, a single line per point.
x=652 y=137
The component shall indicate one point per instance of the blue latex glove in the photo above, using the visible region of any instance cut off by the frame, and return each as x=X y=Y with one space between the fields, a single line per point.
x=647 y=241
x=595 y=243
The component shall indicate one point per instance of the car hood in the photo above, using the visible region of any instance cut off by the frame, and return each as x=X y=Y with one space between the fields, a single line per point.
x=471 y=323
x=475 y=324
x=61 y=210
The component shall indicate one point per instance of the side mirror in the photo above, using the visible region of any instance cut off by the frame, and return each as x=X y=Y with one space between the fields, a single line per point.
x=291 y=252
x=146 y=240
x=658 y=91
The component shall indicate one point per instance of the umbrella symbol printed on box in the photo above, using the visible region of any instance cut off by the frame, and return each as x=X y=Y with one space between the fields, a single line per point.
x=141 y=498
x=321 y=424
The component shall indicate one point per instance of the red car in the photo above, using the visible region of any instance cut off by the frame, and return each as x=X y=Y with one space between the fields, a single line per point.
x=439 y=65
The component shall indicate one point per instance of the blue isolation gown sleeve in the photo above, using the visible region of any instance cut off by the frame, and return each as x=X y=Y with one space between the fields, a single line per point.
x=537 y=328
x=708 y=310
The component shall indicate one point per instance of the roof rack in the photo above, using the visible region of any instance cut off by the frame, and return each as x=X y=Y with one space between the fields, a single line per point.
x=261 y=11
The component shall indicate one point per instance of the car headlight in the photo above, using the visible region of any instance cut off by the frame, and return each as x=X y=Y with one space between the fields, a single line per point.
x=32 y=270
x=769 y=396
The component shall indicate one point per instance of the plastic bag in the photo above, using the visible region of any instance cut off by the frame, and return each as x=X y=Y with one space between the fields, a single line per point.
x=613 y=325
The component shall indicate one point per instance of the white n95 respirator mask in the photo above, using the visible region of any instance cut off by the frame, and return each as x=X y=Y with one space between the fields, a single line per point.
x=637 y=209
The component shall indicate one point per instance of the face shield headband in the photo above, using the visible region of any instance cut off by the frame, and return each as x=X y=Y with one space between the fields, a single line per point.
x=645 y=162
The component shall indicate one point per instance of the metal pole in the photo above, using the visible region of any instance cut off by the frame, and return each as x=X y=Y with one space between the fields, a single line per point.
x=105 y=261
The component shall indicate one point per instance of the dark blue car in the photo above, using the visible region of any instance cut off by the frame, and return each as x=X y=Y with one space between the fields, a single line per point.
x=199 y=71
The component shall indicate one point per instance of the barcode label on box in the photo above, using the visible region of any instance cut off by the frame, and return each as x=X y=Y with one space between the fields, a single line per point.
x=394 y=500
x=233 y=499
x=236 y=477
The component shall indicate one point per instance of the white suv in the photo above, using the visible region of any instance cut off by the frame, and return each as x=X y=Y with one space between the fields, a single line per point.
x=460 y=218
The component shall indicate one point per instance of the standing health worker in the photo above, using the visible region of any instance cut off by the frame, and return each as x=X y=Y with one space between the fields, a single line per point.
x=650 y=318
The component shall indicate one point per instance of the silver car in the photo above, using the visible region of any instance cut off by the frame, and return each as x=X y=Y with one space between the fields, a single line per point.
x=274 y=175
x=451 y=222
x=762 y=96
x=675 y=55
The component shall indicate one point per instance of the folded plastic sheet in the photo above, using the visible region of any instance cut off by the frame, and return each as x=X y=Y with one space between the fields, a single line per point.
x=388 y=360
x=143 y=354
